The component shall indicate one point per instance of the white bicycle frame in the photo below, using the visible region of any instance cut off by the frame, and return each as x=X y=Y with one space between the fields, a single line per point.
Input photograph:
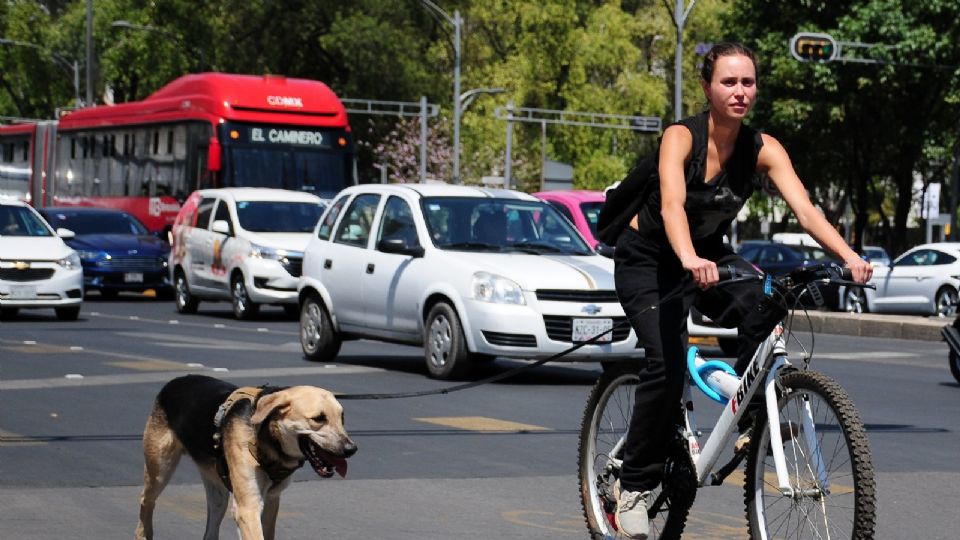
x=770 y=358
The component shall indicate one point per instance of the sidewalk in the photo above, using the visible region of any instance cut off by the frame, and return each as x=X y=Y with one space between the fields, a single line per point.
x=873 y=325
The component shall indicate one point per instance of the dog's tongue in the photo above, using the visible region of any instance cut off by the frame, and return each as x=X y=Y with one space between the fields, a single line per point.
x=340 y=465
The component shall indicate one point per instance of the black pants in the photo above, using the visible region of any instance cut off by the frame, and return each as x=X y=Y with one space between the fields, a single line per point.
x=647 y=271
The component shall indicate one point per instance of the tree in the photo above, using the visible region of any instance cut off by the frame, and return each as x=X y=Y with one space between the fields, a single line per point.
x=856 y=130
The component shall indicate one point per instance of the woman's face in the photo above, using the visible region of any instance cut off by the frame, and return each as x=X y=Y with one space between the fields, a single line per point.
x=733 y=89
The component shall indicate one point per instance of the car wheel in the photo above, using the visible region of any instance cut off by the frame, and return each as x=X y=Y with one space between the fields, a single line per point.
x=730 y=346
x=68 y=313
x=945 y=302
x=955 y=365
x=444 y=345
x=855 y=300
x=318 y=339
x=186 y=302
x=8 y=312
x=243 y=308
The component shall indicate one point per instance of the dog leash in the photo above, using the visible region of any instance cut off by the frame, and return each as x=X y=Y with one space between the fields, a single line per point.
x=513 y=371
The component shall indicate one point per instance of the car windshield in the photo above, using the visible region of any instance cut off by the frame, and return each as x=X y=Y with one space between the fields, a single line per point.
x=875 y=253
x=21 y=221
x=500 y=225
x=278 y=216
x=591 y=211
x=84 y=223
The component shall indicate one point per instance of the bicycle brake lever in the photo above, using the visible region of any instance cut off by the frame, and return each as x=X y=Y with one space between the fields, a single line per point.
x=853 y=284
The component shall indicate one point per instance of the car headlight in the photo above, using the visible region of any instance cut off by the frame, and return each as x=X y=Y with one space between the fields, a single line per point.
x=70 y=261
x=87 y=255
x=264 y=252
x=497 y=289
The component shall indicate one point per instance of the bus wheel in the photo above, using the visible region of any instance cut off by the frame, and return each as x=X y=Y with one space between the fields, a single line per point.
x=186 y=302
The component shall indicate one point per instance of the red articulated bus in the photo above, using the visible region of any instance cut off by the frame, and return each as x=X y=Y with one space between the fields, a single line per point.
x=199 y=131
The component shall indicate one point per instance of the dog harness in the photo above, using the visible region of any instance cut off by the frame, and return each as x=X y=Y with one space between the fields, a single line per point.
x=244 y=393
x=276 y=472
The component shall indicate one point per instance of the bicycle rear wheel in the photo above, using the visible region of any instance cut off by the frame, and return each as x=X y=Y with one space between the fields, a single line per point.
x=831 y=471
x=602 y=431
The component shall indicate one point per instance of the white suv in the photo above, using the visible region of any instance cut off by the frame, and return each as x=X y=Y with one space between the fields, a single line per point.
x=37 y=270
x=469 y=273
x=244 y=245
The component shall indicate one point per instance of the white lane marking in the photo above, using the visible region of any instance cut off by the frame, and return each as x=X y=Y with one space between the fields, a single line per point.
x=219 y=326
x=159 y=377
x=196 y=342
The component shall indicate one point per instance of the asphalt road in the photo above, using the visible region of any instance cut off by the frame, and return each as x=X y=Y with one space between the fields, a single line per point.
x=495 y=461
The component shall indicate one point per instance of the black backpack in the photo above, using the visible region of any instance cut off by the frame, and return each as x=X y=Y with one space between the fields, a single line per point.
x=624 y=201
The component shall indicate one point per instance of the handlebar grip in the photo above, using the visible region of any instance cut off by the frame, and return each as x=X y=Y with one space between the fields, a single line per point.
x=727 y=272
x=846 y=274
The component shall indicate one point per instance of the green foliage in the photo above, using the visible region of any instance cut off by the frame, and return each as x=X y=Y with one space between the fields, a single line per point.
x=858 y=132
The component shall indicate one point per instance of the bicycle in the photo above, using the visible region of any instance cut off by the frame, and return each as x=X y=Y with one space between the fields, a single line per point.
x=811 y=478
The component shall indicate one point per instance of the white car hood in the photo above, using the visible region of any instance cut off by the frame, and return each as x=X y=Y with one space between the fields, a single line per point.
x=287 y=241
x=44 y=248
x=534 y=272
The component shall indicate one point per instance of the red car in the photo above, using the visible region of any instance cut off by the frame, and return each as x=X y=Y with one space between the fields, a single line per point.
x=580 y=206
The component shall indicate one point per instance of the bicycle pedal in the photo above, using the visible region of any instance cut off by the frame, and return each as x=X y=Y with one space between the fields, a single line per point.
x=815 y=294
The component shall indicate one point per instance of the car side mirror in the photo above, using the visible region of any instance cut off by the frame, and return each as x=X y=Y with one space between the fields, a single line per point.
x=66 y=234
x=399 y=246
x=605 y=250
x=222 y=227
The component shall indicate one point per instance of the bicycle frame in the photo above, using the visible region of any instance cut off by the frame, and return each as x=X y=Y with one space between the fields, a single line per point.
x=769 y=359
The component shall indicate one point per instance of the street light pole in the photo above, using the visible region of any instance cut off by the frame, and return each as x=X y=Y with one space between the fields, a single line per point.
x=457 y=22
x=680 y=15
x=63 y=62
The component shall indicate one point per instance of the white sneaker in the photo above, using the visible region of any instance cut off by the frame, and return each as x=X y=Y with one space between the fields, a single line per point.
x=631 y=516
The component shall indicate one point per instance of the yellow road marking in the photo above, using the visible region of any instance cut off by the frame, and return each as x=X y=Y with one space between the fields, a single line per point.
x=480 y=423
x=37 y=349
x=13 y=439
x=704 y=340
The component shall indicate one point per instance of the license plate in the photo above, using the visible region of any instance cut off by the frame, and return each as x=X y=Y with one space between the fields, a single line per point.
x=584 y=329
x=23 y=292
x=133 y=277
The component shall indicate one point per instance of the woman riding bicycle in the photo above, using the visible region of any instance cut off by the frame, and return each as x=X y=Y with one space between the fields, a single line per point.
x=708 y=168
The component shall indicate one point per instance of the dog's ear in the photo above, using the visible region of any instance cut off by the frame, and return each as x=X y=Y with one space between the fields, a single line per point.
x=267 y=405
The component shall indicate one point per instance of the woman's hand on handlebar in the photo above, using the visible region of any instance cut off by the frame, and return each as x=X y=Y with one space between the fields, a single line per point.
x=704 y=271
x=860 y=269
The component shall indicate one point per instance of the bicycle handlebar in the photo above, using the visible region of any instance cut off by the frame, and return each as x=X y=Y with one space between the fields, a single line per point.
x=828 y=272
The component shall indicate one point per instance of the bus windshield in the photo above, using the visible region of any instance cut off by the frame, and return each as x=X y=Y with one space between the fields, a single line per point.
x=316 y=171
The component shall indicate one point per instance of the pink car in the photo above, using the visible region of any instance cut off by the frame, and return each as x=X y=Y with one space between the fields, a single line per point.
x=580 y=206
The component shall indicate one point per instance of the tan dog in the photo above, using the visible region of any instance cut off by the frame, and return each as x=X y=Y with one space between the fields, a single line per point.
x=245 y=440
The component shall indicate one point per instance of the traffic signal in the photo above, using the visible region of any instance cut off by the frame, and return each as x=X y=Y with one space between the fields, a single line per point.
x=811 y=47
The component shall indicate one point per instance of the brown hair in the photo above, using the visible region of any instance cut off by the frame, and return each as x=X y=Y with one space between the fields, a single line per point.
x=727 y=48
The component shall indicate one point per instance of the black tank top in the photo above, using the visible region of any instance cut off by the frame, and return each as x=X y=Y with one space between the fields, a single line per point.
x=710 y=206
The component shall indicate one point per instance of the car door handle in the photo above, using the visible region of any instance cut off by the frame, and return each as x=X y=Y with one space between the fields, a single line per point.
x=370 y=268
x=327 y=264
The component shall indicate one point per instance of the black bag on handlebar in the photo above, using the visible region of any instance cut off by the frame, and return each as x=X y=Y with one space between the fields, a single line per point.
x=624 y=201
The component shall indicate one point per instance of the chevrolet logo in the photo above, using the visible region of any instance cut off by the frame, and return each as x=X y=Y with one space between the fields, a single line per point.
x=591 y=309
x=21 y=265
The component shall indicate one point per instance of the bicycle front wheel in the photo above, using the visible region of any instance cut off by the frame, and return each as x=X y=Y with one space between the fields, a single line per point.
x=602 y=433
x=832 y=488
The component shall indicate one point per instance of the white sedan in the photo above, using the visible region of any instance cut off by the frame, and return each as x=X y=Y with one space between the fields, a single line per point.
x=924 y=280
x=469 y=273
x=37 y=269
